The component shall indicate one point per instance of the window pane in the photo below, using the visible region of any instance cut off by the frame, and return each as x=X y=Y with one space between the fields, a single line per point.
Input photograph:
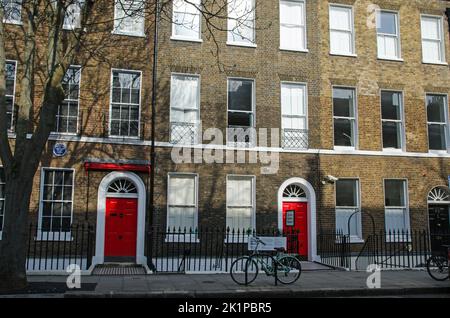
x=430 y=28
x=239 y=191
x=394 y=191
x=240 y=95
x=436 y=137
x=187 y=25
x=396 y=220
x=436 y=106
x=292 y=37
x=386 y=23
x=240 y=119
x=341 y=42
x=342 y=225
x=182 y=190
x=344 y=132
x=340 y=18
x=343 y=102
x=392 y=135
x=184 y=91
x=431 y=51
x=347 y=193
x=391 y=105
x=291 y=12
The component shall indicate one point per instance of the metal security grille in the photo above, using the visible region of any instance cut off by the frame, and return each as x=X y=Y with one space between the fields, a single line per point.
x=295 y=139
x=118 y=270
x=183 y=133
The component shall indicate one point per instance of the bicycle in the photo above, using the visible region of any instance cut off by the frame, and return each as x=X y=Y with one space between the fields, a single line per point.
x=437 y=267
x=287 y=268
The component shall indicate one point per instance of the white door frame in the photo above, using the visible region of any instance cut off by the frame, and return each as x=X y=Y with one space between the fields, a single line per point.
x=99 y=257
x=311 y=198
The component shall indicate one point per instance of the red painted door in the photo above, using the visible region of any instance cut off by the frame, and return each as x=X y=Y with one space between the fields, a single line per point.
x=120 y=227
x=295 y=219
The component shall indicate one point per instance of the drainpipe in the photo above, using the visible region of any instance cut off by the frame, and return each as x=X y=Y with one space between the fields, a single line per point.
x=153 y=118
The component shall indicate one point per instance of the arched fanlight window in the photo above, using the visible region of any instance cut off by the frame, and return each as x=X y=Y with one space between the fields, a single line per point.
x=122 y=186
x=439 y=195
x=294 y=191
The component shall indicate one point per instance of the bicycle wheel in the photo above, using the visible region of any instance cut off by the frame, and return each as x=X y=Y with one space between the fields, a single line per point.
x=289 y=269
x=242 y=266
x=437 y=267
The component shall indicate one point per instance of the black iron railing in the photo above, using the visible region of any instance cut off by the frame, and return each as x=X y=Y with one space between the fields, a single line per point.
x=54 y=251
x=183 y=133
x=204 y=250
x=400 y=249
x=334 y=249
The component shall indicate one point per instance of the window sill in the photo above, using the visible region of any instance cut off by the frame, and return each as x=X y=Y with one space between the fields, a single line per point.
x=251 y=45
x=393 y=150
x=183 y=39
x=137 y=35
x=124 y=137
x=343 y=148
x=62 y=134
x=435 y=63
x=438 y=152
x=343 y=54
x=391 y=59
x=13 y=22
x=294 y=50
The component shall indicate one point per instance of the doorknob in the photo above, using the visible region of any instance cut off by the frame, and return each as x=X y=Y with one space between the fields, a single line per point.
x=120 y=237
x=121 y=215
x=113 y=214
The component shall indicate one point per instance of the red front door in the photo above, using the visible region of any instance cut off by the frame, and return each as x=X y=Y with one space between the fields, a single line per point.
x=295 y=219
x=120 y=227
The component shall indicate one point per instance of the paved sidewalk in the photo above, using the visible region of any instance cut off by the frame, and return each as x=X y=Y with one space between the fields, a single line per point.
x=324 y=283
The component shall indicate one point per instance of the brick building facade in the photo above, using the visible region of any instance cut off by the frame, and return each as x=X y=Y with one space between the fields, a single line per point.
x=357 y=89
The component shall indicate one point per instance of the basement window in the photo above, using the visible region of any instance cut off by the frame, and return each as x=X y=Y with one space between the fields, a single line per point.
x=396 y=216
x=240 y=204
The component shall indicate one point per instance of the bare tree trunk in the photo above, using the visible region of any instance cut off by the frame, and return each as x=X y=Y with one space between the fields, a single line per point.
x=13 y=245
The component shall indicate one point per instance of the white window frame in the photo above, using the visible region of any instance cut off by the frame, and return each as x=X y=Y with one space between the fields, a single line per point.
x=230 y=238
x=111 y=102
x=3 y=213
x=185 y=38
x=68 y=15
x=117 y=21
x=193 y=238
x=247 y=43
x=198 y=76
x=351 y=32
x=303 y=26
x=355 y=118
x=56 y=132
x=401 y=121
x=384 y=35
x=10 y=3
x=441 y=41
x=446 y=124
x=49 y=235
x=11 y=128
x=353 y=238
x=405 y=208
x=253 y=112
x=305 y=101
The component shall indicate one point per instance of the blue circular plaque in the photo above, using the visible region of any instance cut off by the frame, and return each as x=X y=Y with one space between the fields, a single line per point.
x=59 y=150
